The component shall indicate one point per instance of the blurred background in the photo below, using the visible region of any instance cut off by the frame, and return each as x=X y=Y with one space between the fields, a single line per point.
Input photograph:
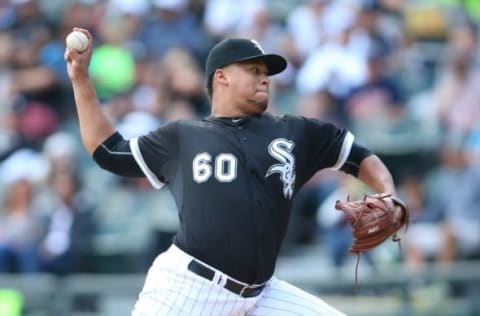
x=403 y=76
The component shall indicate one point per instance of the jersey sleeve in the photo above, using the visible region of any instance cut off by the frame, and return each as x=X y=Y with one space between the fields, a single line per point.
x=155 y=153
x=114 y=155
x=329 y=146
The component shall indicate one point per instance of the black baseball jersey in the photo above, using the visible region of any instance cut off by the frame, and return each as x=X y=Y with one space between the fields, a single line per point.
x=233 y=180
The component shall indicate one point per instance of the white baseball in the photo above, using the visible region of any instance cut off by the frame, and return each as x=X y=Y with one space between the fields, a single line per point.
x=77 y=40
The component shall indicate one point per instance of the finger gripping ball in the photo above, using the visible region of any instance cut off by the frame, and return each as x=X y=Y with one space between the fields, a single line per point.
x=77 y=40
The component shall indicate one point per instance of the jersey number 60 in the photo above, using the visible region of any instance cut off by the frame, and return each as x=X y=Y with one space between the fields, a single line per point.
x=225 y=167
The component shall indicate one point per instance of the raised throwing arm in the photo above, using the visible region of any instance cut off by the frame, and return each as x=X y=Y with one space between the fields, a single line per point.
x=94 y=125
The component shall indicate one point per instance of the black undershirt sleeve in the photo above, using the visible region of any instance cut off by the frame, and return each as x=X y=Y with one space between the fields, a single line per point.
x=115 y=156
x=357 y=154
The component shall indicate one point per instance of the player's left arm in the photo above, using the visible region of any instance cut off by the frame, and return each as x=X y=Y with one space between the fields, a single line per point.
x=349 y=156
x=376 y=175
x=368 y=168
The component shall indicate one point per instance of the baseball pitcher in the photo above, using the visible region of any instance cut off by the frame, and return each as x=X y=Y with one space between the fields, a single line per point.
x=233 y=176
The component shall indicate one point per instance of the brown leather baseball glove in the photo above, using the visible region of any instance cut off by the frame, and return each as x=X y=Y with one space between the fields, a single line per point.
x=373 y=219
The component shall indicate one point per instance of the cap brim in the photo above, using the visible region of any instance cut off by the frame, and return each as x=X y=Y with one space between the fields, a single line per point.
x=275 y=63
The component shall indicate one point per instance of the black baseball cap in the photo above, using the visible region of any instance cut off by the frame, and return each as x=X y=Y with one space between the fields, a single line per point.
x=232 y=50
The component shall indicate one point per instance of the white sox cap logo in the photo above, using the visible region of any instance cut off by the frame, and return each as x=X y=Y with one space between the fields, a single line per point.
x=281 y=150
x=257 y=45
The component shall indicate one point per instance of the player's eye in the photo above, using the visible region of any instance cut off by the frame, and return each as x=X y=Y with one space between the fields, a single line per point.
x=258 y=71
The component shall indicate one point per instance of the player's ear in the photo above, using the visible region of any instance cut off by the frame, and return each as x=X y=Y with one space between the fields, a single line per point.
x=221 y=76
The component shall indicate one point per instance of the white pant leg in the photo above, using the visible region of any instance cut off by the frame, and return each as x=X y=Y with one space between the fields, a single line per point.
x=283 y=299
x=171 y=289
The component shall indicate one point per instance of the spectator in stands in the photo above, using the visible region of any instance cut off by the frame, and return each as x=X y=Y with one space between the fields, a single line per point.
x=379 y=97
x=10 y=139
x=170 y=25
x=227 y=17
x=321 y=106
x=472 y=145
x=35 y=76
x=36 y=73
x=151 y=92
x=113 y=63
x=427 y=239
x=20 y=229
x=312 y=22
x=335 y=66
x=185 y=79
x=129 y=9
x=87 y=13
x=376 y=111
x=68 y=243
x=455 y=185
x=457 y=91
x=61 y=150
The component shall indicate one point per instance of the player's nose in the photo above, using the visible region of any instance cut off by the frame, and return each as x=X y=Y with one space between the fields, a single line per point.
x=265 y=80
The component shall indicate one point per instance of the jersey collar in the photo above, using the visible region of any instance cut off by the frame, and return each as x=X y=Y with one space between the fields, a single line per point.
x=232 y=121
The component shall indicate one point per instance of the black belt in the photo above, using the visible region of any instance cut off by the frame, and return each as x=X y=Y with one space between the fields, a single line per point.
x=231 y=285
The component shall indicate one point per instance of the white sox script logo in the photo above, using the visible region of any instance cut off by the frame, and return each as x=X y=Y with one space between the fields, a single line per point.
x=281 y=150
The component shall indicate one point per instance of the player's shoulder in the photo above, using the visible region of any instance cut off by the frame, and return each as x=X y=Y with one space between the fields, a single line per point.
x=280 y=118
x=170 y=128
x=198 y=126
x=291 y=120
x=311 y=125
x=188 y=123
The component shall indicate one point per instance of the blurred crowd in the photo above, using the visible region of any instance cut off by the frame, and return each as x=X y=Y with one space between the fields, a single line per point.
x=403 y=76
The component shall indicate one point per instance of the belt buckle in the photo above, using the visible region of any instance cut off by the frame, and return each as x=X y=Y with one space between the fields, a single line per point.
x=243 y=290
x=252 y=288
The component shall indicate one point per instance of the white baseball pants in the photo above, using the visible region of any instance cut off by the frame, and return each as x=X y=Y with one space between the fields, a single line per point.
x=171 y=289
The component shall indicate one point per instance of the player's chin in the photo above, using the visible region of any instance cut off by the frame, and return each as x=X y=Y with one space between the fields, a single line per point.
x=259 y=106
x=258 y=102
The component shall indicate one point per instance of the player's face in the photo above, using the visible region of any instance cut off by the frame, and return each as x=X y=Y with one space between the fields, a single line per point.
x=249 y=85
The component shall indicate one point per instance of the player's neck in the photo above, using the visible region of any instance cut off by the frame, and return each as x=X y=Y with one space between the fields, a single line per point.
x=222 y=108
x=223 y=113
